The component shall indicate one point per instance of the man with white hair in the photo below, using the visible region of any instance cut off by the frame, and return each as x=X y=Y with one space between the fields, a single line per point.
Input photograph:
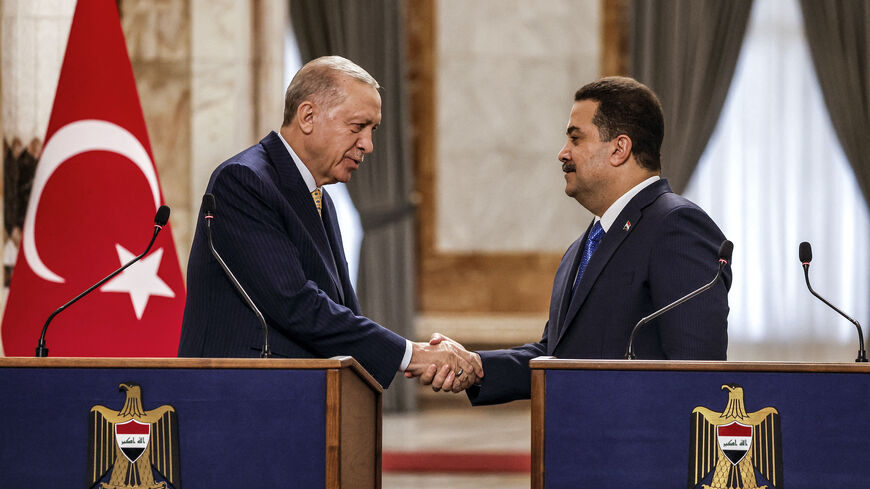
x=277 y=230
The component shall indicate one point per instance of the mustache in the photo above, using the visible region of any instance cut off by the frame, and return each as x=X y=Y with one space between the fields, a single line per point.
x=568 y=167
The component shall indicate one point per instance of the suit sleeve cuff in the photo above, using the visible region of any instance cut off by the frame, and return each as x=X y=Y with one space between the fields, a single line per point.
x=406 y=360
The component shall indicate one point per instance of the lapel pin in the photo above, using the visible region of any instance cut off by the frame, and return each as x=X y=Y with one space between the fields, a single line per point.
x=627 y=226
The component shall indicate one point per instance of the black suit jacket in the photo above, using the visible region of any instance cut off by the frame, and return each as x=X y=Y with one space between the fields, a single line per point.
x=291 y=262
x=661 y=247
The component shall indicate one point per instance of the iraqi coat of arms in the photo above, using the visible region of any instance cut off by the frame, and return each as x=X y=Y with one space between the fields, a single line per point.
x=133 y=443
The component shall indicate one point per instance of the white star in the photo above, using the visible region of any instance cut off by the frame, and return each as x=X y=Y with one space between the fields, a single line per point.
x=140 y=279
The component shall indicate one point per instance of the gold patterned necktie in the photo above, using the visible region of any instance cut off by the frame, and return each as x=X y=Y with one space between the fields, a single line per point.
x=317 y=195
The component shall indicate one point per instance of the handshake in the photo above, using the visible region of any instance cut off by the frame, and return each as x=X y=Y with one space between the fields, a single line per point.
x=444 y=364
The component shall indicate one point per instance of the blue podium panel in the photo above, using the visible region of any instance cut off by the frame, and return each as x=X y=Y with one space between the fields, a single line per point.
x=236 y=427
x=615 y=428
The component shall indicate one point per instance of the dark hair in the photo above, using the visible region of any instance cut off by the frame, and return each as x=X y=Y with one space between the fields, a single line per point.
x=626 y=106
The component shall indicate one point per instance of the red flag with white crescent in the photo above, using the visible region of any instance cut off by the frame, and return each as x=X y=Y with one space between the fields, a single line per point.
x=91 y=209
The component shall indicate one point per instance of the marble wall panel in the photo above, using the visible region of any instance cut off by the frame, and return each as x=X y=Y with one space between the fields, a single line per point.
x=46 y=8
x=221 y=121
x=34 y=34
x=221 y=29
x=164 y=92
x=158 y=30
x=52 y=31
x=506 y=74
x=158 y=35
x=493 y=330
x=223 y=113
x=271 y=26
x=497 y=27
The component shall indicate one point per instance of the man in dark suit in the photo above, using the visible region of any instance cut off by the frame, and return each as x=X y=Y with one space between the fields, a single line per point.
x=645 y=248
x=277 y=230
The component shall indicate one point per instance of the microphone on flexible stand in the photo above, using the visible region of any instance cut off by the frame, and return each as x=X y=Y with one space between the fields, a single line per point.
x=805 y=252
x=725 y=251
x=160 y=220
x=208 y=208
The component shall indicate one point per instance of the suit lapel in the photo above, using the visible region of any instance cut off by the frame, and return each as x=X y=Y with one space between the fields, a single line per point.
x=333 y=233
x=296 y=192
x=630 y=216
x=565 y=282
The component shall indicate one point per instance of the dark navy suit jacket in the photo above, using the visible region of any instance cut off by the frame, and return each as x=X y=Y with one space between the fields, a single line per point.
x=291 y=262
x=660 y=248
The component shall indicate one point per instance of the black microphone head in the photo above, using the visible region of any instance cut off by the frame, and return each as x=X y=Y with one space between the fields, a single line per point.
x=805 y=252
x=726 y=250
x=208 y=204
x=162 y=216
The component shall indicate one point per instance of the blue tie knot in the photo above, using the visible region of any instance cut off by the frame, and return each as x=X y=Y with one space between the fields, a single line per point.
x=595 y=235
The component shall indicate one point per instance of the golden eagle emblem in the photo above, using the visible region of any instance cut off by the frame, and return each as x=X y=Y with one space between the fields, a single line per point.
x=733 y=445
x=131 y=441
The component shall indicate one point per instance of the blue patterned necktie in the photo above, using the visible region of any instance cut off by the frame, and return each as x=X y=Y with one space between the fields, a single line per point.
x=595 y=235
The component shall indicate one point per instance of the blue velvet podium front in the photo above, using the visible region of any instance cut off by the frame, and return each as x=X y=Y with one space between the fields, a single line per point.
x=658 y=424
x=308 y=423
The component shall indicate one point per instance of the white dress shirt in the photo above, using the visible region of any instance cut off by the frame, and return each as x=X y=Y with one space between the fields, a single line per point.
x=615 y=208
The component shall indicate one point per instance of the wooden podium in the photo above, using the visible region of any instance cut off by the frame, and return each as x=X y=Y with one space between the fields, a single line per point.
x=634 y=424
x=237 y=422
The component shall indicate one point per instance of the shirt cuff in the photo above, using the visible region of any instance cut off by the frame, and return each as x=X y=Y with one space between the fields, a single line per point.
x=406 y=360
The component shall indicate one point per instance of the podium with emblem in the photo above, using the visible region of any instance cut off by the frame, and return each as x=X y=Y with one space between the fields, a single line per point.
x=201 y=423
x=711 y=425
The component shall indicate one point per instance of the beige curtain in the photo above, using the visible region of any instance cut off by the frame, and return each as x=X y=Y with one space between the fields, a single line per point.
x=838 y=32
x=686 y=51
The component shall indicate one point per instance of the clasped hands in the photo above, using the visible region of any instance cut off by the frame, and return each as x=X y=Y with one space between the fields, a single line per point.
x=444 y=364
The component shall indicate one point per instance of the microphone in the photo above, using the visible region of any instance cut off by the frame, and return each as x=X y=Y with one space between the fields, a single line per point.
x=805 y=252
x=725 y=251
x=160 y=220
x=208 y=207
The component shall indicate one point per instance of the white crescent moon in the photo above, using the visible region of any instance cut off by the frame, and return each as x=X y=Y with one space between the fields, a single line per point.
x=70 y=140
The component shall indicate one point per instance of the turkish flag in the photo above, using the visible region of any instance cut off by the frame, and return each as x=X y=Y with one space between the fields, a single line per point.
x=91 y=209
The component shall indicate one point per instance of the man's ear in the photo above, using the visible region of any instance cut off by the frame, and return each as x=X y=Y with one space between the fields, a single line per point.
x=305 y=114
x=621 y=150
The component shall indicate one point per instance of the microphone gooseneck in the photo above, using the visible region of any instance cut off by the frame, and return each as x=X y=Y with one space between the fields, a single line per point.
x=806 y=256
x=208 y=208
x=160 y=220
x=725 y=251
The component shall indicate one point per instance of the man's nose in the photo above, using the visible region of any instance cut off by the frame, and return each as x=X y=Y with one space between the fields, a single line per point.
x=365 y=144
x=564 y=154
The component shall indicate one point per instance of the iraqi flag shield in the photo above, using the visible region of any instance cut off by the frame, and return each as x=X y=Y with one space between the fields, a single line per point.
x=734 y=439
x=132 y=437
